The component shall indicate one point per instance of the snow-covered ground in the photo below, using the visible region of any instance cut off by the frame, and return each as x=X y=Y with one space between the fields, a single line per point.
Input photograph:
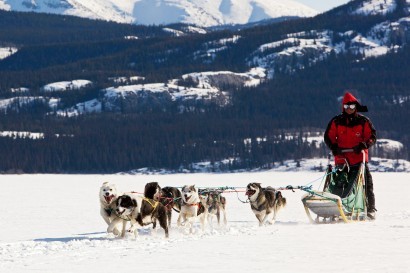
x=51 y=223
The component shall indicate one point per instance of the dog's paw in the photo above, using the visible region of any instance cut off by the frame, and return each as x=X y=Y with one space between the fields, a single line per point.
x=271 y=222
x=116 y=232
x=130 y=230
x=111 y=236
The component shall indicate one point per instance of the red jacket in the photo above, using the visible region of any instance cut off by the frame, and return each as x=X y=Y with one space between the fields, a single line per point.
x=348 y=131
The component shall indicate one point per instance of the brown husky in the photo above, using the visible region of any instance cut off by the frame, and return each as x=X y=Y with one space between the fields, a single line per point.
x=264 y=202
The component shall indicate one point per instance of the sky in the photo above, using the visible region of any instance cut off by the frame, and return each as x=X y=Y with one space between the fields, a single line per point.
x=323 y=5
x=51 y=223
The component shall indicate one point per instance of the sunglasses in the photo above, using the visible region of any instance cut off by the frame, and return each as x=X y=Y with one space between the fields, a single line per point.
x=351 y=106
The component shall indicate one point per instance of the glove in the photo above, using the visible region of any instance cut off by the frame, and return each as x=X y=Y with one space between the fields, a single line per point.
x=358 y=148
x=335 y=149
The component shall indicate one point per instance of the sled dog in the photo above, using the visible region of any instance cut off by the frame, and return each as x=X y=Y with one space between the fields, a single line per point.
x=171 y=198
x=191 y=208
x=108 y=196
x=215 y=204
x=264 y=202
x=141 y=211
x=152 y=190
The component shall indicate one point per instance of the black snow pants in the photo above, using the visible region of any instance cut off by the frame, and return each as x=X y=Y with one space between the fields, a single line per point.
x=370 y=202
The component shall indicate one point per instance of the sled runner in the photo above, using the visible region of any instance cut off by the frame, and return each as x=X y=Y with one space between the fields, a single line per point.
x=343 y=196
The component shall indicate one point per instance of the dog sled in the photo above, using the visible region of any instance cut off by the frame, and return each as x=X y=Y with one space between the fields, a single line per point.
x=343 y=197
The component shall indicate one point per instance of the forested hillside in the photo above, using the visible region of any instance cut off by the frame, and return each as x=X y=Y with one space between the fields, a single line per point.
x=260 y=126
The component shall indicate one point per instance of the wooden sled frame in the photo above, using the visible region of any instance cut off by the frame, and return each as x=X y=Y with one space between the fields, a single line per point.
x=316 y=197
x=338 y=212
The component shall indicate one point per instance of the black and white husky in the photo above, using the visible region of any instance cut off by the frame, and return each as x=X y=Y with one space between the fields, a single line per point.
x=108 y=196
x=191 y=208
x=264 y=202
x=170 y=197
x=141 y=211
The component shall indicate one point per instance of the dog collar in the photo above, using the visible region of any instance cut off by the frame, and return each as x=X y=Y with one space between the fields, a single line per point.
x=109 y=211
x=193 y=205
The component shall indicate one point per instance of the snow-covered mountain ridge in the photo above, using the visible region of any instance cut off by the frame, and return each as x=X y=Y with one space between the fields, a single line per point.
x=196 y=12
x=288 y=54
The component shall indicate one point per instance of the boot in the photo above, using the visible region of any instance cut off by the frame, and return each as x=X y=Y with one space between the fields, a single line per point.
x=371 y=214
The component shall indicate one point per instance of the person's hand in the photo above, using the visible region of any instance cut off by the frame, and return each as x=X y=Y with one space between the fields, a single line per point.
x=358 y=148
x=335 y=149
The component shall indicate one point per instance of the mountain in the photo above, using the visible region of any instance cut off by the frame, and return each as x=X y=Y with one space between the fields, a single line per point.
x=203 y=13
x=251 y=96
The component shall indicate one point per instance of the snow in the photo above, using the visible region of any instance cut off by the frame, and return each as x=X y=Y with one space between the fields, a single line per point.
x=197 y=12
x=122 y=80
x=4 y=6
x=20 y=90
x=376 y=7
x=209 y=50
x=131 y=37
x=21 y=101
x=315 y=45
x=66 y=85
x=91 y=106
x=251 y=78
x=217 y=12
x=368 y=47
x=389 y=144
x=175 y=32
x=6 y=51
x=51 y=223
x=193 y=29
x=20 y=134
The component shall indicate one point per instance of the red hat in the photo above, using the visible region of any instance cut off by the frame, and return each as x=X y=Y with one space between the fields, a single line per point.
x=350 y=99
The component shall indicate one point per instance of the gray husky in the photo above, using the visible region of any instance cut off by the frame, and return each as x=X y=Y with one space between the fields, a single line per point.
x=264 y=202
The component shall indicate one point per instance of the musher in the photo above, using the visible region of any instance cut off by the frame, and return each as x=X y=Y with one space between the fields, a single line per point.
x=351 y=130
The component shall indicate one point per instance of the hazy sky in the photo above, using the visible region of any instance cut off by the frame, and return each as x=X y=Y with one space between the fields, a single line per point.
x=322 y=5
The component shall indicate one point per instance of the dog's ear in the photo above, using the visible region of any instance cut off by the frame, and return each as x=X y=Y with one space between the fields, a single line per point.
x=258 y=184
x=134 y=202
x=278 y=195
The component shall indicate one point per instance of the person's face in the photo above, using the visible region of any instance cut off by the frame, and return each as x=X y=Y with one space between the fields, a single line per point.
x=349 y=108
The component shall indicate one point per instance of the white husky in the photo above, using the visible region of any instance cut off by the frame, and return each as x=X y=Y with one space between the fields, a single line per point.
x=108 y=197
x=191 y=208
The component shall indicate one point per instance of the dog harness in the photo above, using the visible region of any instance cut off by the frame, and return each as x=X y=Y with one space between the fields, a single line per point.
x=127 y=218
x=109 y=211
x=201 y=208
x=260 y=208
x=150 y=201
